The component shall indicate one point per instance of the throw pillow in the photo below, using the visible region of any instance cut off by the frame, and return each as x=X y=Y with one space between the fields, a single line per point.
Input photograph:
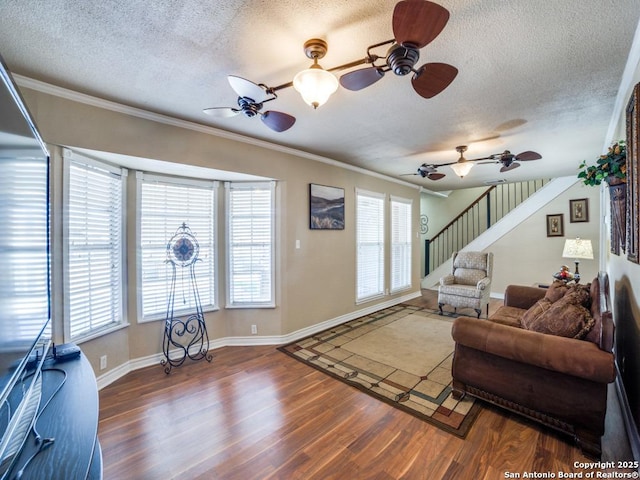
x=529 y=317
x=582 y=294
x=564 y=319
x=556 y=291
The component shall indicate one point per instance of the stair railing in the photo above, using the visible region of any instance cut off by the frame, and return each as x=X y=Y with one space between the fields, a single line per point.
x=478 y=217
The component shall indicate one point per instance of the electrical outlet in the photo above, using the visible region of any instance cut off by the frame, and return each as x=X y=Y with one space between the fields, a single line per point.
x=254 y=329
x=103 y=362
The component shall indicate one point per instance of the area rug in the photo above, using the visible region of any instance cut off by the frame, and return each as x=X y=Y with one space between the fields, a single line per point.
x=401 y=355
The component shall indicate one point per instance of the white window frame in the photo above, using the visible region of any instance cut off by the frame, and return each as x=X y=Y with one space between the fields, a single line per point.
x=24 y=291
x=119 y=289
x=364 y=219
x=210 y=306
x=232 y=301
x=401 y=212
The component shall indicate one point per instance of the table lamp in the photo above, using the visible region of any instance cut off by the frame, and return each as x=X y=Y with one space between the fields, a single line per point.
x=577 y=248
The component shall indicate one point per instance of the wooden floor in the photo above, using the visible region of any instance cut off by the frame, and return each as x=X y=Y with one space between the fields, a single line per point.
x=256 y=413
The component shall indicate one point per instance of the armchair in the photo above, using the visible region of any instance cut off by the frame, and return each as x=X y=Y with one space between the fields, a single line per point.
x=468 y=284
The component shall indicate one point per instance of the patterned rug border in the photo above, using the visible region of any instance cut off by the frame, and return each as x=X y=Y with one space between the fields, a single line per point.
x=470 y=416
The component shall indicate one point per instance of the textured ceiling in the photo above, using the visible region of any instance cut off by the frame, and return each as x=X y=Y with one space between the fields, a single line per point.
x=533 y=74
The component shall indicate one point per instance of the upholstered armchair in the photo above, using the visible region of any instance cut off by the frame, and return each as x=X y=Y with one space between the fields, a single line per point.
x=469 y=283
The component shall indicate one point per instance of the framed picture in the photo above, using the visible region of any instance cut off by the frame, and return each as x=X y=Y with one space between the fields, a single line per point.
x=326 y=207
x=633 y=177
x=579 y=210
x=555 y=225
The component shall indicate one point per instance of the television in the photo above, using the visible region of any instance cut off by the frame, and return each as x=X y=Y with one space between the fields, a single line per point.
x=25 y=292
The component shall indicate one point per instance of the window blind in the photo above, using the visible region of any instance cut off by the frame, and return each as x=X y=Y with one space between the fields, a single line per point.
x=24 y=282
x=94 y=223
x=250 y=244
x=400 y=244
x=165 y=204
x=370 y=245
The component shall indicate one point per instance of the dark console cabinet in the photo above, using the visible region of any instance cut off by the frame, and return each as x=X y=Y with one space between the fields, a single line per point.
x=70 y=418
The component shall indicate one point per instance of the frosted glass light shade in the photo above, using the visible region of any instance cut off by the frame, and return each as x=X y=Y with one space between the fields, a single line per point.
x=315 y=85
x=462 y=168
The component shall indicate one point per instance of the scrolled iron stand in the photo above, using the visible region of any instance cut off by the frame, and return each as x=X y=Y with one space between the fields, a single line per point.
x=184 y=338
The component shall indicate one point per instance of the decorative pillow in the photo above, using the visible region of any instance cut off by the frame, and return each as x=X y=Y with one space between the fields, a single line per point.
x=582 y=294
x=564 y=319
x=534 y=312
x=556 y=291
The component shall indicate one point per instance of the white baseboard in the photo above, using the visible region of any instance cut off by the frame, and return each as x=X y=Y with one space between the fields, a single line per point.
x=253 y=340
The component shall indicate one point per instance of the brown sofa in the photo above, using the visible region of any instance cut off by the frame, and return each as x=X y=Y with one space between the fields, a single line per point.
x=558 y=381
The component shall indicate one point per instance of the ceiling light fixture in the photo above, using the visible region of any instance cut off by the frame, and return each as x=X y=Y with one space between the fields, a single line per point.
x=463 y=166
x=315 y=84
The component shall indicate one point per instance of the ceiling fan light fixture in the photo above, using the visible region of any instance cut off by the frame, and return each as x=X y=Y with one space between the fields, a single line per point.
x=461 y=169
x=315 y=85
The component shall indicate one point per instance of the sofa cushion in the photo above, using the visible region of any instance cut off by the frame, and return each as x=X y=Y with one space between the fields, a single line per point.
x=566 y=318
x=507 y=315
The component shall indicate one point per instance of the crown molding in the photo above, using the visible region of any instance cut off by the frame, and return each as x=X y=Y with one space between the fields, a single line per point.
x=83 y=98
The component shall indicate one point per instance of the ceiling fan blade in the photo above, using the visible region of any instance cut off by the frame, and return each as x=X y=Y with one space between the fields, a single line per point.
x=528 y=155
x=510 y=167
x=436 y=176
x=362 y=78
x=418 y=22
x=278 y=121
x=246 y=88
x=222 y=112
x=433 y=78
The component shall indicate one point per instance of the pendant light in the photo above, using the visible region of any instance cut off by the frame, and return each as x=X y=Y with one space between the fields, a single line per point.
x=315 y=84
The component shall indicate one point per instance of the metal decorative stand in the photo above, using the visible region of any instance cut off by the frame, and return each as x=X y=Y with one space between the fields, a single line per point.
x=184 y=338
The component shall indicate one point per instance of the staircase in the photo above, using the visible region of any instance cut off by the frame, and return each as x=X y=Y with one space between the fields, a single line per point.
x=497 y=211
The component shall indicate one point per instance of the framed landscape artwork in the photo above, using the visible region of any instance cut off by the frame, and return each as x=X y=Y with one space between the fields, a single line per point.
x=555 y=225
x=326 y=207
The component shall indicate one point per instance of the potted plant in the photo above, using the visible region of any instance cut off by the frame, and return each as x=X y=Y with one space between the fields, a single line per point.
x=611 y=167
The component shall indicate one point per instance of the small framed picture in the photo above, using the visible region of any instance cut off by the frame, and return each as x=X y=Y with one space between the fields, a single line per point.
x=555 y=225
x=579 y=210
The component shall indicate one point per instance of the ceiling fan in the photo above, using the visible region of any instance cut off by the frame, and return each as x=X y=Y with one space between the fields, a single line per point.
x=506 y=158
x=462 y=166
x=251 y=98
x=510 y=161
x=429 y=171
x=415 y=23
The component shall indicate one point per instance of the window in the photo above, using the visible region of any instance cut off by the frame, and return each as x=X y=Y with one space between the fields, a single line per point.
x=165 y=204
x=250 y=244
x=24 y=285
x=370 y=245
x=400 y=244
x=94 y=227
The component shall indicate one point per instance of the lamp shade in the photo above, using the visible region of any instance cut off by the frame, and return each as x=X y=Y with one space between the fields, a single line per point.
x=462 y=168
x=577 y=248
x=315 y=85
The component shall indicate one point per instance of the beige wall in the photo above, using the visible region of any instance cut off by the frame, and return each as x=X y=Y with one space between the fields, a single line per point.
x=314 y=283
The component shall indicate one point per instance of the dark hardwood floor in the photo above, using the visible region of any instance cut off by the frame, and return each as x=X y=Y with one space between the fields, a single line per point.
x=255 y=413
